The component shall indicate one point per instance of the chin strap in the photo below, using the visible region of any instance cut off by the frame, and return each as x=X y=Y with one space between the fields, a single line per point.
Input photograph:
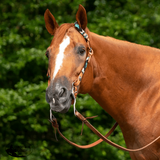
x=53 y=120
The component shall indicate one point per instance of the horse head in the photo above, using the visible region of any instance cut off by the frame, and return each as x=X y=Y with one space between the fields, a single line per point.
x=66 y=55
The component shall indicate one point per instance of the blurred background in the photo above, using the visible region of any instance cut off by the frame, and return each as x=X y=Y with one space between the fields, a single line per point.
x=24 y=112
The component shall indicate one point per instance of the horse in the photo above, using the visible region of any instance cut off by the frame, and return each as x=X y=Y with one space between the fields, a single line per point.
x=123 y=77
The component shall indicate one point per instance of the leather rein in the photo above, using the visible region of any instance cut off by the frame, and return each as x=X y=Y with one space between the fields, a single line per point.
x=75 y=87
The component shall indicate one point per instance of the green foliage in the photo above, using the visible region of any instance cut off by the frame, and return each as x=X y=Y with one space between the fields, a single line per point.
x=24 y=112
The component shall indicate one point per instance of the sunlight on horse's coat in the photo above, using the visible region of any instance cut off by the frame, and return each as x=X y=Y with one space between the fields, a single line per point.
x=60 y=56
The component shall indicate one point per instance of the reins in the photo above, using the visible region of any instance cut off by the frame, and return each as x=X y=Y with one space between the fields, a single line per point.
x=102 y=138
x=75 y=87
x=56 y=127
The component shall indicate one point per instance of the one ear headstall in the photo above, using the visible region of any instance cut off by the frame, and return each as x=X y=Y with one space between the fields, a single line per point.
x=81 y=31
x=90 y=53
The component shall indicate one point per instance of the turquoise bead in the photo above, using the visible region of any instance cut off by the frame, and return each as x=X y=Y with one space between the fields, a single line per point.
x=76 y=25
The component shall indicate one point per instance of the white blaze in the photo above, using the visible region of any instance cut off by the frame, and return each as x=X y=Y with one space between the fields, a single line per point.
x=60 y=56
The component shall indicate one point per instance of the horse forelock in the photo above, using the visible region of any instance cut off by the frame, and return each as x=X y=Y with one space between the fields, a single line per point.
x=61 y=31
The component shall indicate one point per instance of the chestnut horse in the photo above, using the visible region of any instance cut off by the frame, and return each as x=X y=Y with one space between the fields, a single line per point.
x=123 y=77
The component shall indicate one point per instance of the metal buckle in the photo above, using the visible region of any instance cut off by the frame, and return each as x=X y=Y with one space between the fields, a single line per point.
x=51 y=116
x=74 y=98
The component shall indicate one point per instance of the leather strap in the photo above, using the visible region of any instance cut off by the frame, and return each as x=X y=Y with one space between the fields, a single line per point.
x=89 y=55
x=56 y=126
x=102 y=138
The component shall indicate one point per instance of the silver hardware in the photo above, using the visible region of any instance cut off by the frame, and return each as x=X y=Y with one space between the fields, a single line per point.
x=74 y=104
x=80 y=78
x=83 y=70
x=53 y=101
x=51 y=115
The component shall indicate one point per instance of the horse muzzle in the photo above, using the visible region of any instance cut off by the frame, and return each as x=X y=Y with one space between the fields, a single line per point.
x=59 y=95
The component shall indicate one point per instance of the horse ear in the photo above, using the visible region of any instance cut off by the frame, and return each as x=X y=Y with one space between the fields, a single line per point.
x=50 y=21
x=81 y=17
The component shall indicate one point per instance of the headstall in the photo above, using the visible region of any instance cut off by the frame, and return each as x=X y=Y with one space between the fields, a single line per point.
x=76 y=84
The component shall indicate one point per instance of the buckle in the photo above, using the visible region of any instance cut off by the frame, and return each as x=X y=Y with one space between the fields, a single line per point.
x=74 y=98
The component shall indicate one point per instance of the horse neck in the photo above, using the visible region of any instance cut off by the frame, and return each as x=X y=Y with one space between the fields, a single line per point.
x=120 y=75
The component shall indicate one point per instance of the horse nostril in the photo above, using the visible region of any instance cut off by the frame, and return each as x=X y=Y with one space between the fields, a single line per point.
x=62 y=92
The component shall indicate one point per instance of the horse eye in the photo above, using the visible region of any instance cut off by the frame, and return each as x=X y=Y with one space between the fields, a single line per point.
x=82 y=51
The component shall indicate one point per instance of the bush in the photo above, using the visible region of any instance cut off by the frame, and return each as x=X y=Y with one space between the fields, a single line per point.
x=24 y=112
